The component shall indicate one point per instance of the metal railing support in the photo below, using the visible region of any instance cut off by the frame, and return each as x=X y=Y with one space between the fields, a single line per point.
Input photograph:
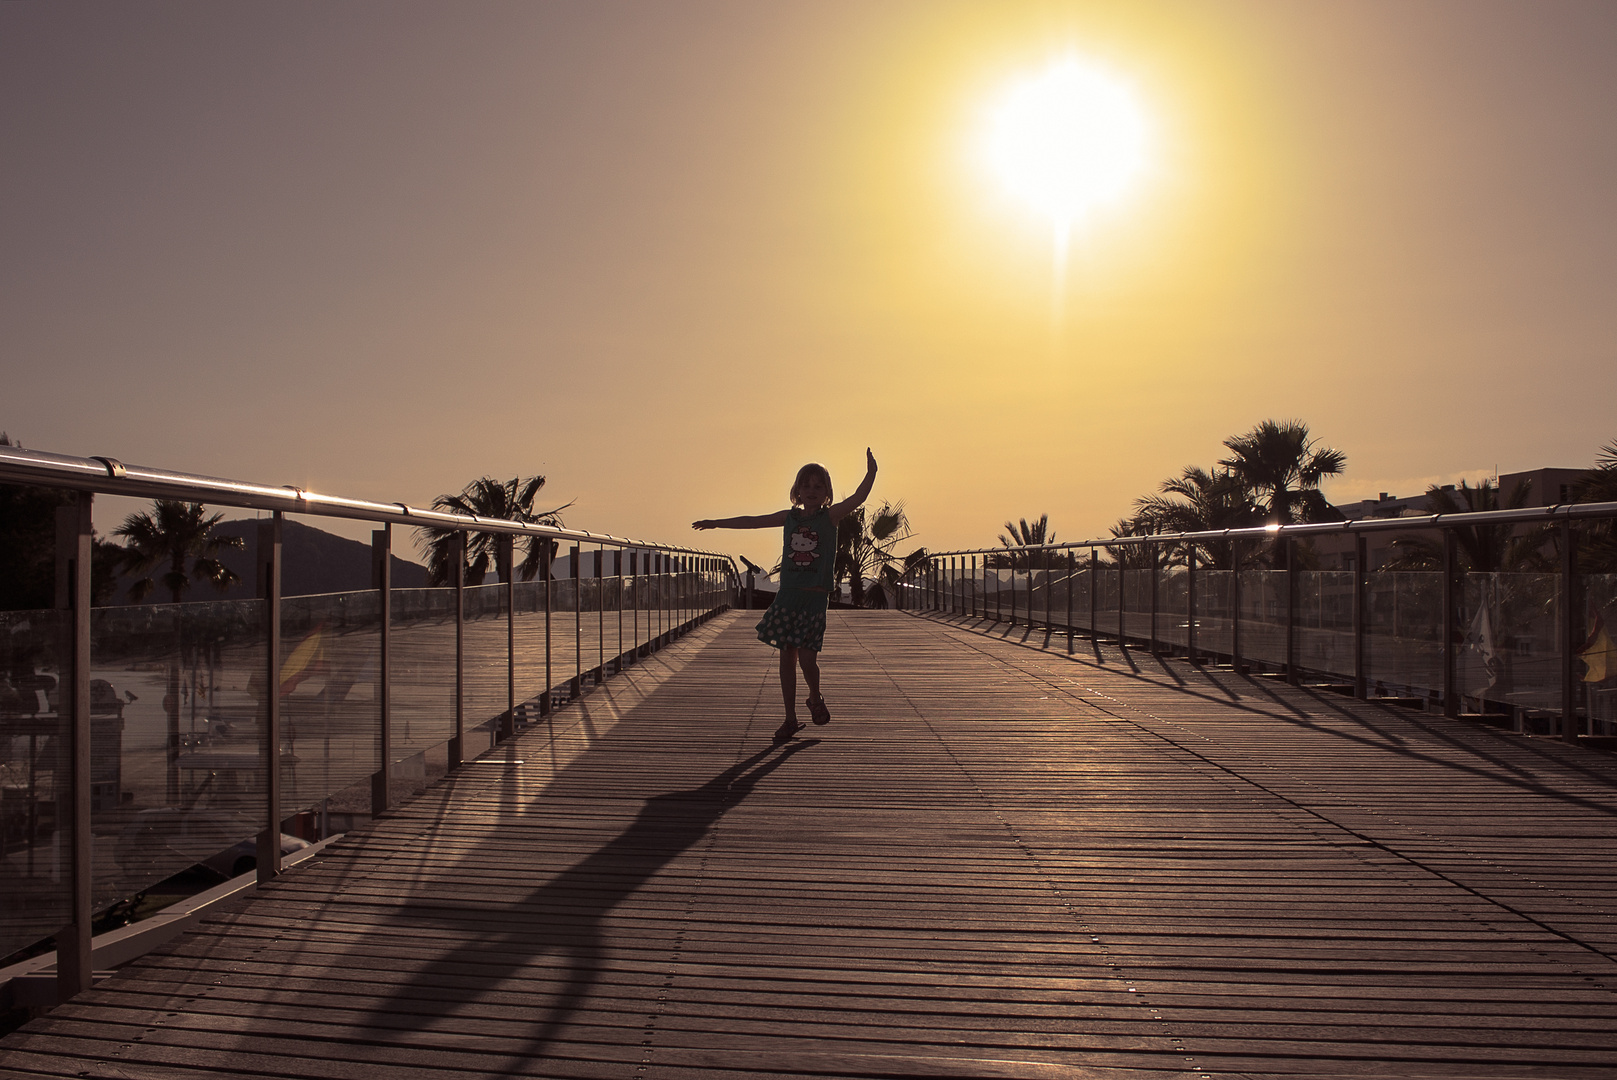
x=74 y=550
x=457 y=581
x=1094 y=595
x=1450 y=626
x=1121 y=588
x=547 y=552
x=1190 y=604
x=1569 y=632
x=507 y=558
x=269 y=590
x=600 y=610
x=617 y=566
x=1291 y=611
x=1235 y=606
x=1360 y=580
x=575 y=685
x=1072 y=564
x=382 y=581
x=1156 y=551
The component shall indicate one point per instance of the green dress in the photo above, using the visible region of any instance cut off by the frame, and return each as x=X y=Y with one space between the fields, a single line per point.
x=808 y=550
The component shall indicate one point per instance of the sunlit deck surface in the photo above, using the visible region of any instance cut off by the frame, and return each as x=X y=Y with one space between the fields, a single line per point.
x=996 y=861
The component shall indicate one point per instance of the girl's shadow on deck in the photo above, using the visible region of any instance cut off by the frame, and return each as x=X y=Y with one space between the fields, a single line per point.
x=562 y=917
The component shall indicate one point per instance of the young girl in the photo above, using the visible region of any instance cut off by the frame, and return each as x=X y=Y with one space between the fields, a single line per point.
x=795 y=622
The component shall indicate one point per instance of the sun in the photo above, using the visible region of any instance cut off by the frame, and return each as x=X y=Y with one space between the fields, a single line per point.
x=1067 y=141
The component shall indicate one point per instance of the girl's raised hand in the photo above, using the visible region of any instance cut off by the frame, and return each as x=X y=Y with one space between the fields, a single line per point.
x=705 y=523
x=870 y=460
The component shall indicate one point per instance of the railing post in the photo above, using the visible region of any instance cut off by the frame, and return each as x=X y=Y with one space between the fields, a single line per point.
x=1235 y=605
x=1569 y=632
x=1011 y=558
x=1156 y=554
x=1361 y=548
x=976 y=588
x=269 y=590
x=1121 y=579
x=600 y=621
x=1094 y=597
x=506 y=557
x=1072 y=565
x=74 y=969
x=575 y=686
x=617 y=565
x=546 y=553
x=457 y=579
x=1451 y=626
x=1291 y=611
x=1190 y=604
x=382 y=581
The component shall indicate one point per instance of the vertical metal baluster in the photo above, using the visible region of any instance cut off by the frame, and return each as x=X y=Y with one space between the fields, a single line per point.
x=617 y=565
x=457 y=579
x=1235 y=606
x=1451 y=626
x=1360 y=570
x=547 y=556
x=1569 y=632
x=1190 y=604
x=575 y=686
x=269 y=590
x=382 y=581
x=74 y=550
x=1155 y=551
x=1291 y=611
x=1121 y=638
x=1072 y=572
x=600 y=615
x=1094 y=595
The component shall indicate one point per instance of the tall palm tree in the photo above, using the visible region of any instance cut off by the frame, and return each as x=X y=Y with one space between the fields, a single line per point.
x=1281 y=467
x=1025 y=535
x=511 y=500
x=1483 y=549
x=1199 y=501
x=176 y=535
x=865 y=550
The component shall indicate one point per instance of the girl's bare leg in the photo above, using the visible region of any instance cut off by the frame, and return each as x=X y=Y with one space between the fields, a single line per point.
x=788 y=679
x=810 y=660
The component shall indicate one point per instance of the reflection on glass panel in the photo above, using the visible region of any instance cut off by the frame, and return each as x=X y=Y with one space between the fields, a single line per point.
x=34 y=900
x=330 y=694
x=1213 y=611
x=177 y=712
x=421 y=659
x=486 y=691
x=1173 y=622
x=1325 y=622
x=1263 y=616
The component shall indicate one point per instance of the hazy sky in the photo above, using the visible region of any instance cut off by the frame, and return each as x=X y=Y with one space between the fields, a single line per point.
x=664 y=253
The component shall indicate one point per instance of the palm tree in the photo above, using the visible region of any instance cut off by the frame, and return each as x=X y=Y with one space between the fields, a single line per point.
x=176 y=535
x=1201 y=501
x=1598 y=552
x=511 y=500
x=1483 y=549
x=1282 y=469
x=1024 y=535
x=865 y=550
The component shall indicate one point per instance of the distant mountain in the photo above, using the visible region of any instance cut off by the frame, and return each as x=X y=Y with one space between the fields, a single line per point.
x=312 y=561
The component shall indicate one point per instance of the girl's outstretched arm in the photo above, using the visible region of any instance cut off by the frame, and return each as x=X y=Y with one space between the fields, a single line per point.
x=853 y=502
x=756 y=521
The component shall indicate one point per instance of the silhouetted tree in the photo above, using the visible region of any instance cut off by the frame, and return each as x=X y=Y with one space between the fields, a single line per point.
x=1597 y=552
x=1485 y=549
x=1025 y=535
x=176 y=535
x=866 y=546
x=28 y=548
x=1198 y=501
x=511 y=500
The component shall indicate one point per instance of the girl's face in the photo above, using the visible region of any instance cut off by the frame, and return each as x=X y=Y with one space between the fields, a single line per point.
x=812 y=492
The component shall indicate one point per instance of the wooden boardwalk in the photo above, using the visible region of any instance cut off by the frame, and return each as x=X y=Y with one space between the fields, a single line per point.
x=995 y=862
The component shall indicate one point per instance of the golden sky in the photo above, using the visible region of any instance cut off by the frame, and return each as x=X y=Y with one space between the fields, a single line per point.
x=664 y=253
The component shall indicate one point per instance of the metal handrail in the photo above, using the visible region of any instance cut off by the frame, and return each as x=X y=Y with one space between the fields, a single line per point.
x=678 y=610
x=1541 y=514
x=109 y=476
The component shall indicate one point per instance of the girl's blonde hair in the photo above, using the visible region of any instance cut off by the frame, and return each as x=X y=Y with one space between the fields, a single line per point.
x=804 y=473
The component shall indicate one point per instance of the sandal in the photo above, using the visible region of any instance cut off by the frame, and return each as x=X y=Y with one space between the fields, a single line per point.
x=817 y=710
x=786 y=732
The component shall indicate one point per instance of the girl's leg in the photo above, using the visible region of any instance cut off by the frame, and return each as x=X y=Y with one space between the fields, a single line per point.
x=788 y=680
x=810 y=660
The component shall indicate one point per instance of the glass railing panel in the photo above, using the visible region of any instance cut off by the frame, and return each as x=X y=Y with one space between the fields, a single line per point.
x=1404 y=633
x=1325 y=623
x=1511 y=655
x=1173 y=618
x=486 y=691
x=530 y=642
x=331 y=649
x=421 y=659
x=1213 y=611
x=34 y=775
x=177 y=765
x=1596 y=668
x=1263 y=616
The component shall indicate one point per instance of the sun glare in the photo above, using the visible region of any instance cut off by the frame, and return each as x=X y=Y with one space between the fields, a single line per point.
x=1067 y=141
